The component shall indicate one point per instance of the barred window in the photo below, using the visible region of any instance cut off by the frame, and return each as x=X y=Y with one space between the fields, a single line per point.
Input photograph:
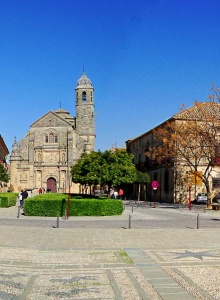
x=216 y=183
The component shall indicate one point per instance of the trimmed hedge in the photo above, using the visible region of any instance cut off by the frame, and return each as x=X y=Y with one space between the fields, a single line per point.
x=51 y=205
x=8 y=199
x=95 y=207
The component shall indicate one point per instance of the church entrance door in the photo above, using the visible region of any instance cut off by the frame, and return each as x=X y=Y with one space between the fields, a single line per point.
x=51 y=185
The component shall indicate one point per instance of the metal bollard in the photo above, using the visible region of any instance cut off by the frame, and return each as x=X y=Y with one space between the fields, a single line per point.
x=64 y=216
x=198 y=221
x=129 y=222
x=18 y=212
x=132 y=208
x=58 y=221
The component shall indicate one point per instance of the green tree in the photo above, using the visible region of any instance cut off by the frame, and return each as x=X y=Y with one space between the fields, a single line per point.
x=112 y=168
x=87 y=169
x=4 y=177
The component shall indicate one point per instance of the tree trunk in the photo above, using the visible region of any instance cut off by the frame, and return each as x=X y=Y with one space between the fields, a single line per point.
x=209 y=200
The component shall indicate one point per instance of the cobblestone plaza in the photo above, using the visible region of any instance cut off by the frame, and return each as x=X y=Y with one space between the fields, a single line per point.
x=160 y=254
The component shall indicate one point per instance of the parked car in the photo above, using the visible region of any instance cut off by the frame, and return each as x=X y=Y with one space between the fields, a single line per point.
x=202 y=198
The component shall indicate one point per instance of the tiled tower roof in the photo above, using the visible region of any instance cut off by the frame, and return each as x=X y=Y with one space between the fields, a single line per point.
x=84 y=81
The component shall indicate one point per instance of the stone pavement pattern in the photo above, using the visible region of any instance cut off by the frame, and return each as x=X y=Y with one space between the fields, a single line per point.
x=108 y=263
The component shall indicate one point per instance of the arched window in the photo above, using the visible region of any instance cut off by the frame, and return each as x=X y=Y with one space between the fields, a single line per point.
x=51 y=138
x=84 y=96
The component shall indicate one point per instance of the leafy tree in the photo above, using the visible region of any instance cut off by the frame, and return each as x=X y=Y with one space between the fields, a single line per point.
x=190 y=141
x=112 y=168
x=87 y=169
x=4 y=177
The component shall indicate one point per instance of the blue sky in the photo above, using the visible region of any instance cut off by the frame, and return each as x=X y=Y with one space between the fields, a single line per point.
x=145 y=58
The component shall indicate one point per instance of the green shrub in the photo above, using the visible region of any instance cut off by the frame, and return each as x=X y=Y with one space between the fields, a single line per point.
x=51 y=208
x=8 y=199
x=95 y=207
x=52 y=205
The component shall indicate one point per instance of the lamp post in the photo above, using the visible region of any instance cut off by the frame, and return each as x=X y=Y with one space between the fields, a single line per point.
x=68 y=203
x=190 y=200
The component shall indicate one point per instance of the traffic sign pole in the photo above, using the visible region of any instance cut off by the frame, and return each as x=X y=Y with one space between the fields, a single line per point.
x=155 y=185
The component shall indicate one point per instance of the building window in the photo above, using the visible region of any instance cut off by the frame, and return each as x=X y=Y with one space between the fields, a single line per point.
x=155 y=175
x=51 y=138
x=139 y=157
x=215 y=183
x=83 y=96
x=166 y=181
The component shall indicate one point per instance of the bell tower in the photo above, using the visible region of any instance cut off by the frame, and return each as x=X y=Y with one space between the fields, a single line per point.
x=85 y=121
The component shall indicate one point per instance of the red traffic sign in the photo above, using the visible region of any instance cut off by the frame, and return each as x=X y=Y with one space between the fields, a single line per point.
x=155 y=184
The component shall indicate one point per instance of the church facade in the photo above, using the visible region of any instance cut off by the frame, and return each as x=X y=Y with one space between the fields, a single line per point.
x=54 y=143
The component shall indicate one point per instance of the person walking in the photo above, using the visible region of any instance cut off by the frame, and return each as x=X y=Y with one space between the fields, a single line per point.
x=24 y=195
x=115 y=195
x=120 y=193
x=20 y=197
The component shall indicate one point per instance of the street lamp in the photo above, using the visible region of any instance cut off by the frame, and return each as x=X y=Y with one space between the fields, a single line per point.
x=68 y=203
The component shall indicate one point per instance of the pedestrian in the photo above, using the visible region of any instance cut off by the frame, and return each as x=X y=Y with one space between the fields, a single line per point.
x=40 y=191
x=115 y=195
x=24 y=195
x=120 y=193
x=20 y=197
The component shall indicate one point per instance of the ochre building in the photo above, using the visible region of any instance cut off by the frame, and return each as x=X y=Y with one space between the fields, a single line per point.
x=43 y=158
x=174 y=177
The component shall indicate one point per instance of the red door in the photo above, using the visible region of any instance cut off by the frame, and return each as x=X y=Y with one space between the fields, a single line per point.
x=51 y=185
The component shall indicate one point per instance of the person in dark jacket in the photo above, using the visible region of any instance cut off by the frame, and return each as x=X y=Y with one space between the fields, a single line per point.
x=24 y=195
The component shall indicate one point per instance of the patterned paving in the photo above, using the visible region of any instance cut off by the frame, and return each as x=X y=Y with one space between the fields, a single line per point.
x=129 y=274
x=198 y=272
x=40 y=274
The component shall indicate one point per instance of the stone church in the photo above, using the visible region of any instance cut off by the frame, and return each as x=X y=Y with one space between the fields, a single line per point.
x=43 y=158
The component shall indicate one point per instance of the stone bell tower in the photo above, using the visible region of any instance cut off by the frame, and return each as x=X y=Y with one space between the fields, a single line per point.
x=85 y=121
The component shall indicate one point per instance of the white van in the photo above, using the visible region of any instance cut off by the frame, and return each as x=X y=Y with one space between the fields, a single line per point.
x=202 y=198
